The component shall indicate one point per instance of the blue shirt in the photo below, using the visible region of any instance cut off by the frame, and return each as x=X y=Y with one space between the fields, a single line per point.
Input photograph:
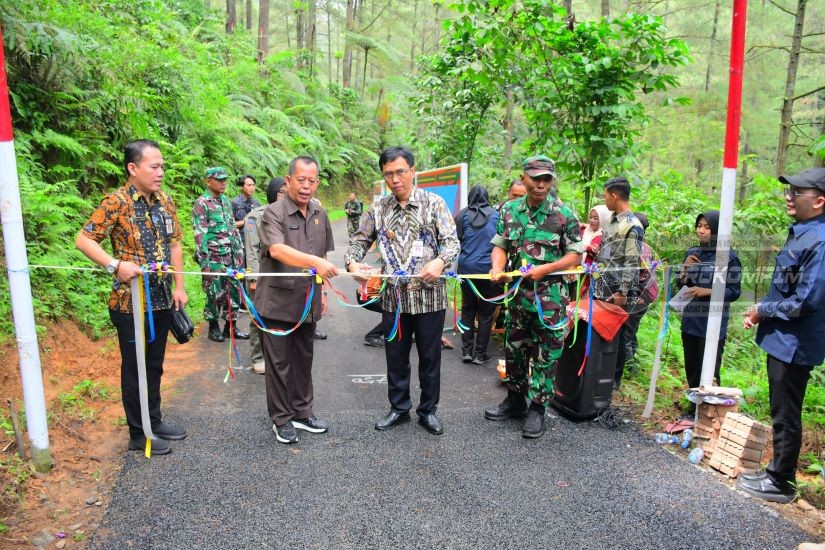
x=695 y=314
x=792 y=327
x=476 y=249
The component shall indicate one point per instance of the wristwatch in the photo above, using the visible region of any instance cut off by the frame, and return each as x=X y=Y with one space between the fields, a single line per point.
x=112 y=266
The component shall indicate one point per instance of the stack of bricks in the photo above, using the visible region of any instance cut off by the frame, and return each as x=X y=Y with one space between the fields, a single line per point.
x=741 y=443
x=709 y=425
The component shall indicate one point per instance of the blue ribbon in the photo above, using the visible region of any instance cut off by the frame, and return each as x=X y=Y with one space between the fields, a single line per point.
x=149 y=306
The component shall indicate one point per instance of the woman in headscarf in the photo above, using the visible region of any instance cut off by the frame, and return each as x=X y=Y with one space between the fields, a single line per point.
x=597 y=220
x=476 y=226
x=697 y=275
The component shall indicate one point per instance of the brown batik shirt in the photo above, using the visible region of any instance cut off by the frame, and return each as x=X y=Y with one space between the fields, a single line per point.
x=141 y=232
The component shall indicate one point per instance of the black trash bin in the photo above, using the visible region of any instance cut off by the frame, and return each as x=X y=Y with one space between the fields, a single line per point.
x=583 y=397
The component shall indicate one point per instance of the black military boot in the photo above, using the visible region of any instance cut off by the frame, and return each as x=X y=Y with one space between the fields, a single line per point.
x=513 y=406
x=239 y=335
x=534 y=423
x=215 y=332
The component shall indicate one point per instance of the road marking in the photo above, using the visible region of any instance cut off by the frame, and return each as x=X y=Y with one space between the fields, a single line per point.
x=368 y=378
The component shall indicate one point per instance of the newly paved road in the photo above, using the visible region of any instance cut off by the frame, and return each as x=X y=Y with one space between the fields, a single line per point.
x=480 y=485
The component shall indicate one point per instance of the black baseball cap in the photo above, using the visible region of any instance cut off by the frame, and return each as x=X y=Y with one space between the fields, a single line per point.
x=813 y=178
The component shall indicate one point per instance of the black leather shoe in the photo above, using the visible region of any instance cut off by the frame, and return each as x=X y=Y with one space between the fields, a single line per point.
x=766 y=489
x=431 y=423
x=172 y=433
x=466 y=358
x=534 y=423
x=320 y=335
x=374 y=341
x=159 y=446
x=513 y=406
x=215 y=333
x=392 y=420
x=754 y=476
x=480 y=359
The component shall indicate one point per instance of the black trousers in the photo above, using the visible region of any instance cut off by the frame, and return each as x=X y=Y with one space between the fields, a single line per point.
x=377 y=331
x=694 y=347
x=787 y=383
x=627 y=343
x=155 y=352
x=288 y=375
x=427 y=328
x=474 y=343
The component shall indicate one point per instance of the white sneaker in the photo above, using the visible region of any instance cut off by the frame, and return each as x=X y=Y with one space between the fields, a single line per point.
x=259 y=368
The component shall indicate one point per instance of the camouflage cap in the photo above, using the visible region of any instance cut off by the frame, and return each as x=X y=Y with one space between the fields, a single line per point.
x=217 y=172
x=539 y=165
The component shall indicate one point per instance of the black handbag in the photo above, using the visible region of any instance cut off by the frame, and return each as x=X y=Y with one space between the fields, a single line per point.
x=182 y=327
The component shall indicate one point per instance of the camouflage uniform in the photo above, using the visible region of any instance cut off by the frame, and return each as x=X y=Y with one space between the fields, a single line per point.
x=540 y=236
x=217 y=246
x=353 y=210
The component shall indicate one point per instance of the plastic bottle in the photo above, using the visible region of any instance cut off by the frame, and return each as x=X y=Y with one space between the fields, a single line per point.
x=687 y=437
x=666 y=439
x=696 y=455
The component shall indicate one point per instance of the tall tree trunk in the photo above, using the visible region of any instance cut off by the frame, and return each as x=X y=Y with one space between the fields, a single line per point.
x=743 y=174
x=299 y=28
x=249 y=15
x=790 y=84
x=286 y=26
x=346 y=74
x=231 y=17
x=329 y=42
x=412 y=40
x=605 y=8
x=437 y=34
x=312 y=24
x=263 y=30
x=819 y=159
x=568 y=7
x=712 y=44
x=508 y=128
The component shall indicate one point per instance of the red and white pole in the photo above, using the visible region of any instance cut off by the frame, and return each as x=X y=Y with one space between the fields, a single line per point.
x=737 y=63
x=17 y=264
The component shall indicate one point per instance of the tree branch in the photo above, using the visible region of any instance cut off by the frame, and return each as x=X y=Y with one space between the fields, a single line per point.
x=387 y=5
x=783 y=8
x=815 y=90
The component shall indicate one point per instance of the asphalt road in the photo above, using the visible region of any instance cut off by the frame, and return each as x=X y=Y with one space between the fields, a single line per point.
x=480 y=485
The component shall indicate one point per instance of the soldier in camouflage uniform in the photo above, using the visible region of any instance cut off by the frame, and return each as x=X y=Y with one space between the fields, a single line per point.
x=218 y=246
x=353 y=208
x=545 y=233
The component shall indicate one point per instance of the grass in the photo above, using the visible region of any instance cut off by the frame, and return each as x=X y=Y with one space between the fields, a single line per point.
x=74 y=403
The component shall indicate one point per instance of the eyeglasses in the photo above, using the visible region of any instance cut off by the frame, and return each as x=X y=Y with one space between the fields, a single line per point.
x=400 y=173
x=789 y=192
x=311 y=181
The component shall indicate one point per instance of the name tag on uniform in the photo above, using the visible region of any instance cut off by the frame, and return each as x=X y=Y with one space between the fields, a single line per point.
x=169 y=225
x=418 y=249
x=293 y=227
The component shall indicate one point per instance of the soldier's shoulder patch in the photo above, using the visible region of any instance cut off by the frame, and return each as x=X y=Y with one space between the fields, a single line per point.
x=250 y=223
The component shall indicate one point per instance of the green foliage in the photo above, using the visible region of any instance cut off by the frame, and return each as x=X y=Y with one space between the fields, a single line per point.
x=14 y=473
x=86 y=77
x=74 y=402
x=577 y=85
